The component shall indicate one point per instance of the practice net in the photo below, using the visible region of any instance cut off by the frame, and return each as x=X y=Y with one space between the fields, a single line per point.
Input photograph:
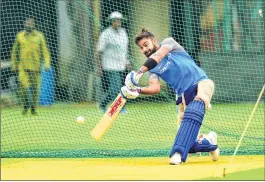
x=226 y=38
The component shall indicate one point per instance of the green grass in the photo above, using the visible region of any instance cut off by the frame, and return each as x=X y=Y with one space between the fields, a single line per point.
x=147 y=130
x=253 y=174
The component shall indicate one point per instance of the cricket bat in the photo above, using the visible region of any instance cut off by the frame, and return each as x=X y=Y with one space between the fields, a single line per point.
x=108 y=118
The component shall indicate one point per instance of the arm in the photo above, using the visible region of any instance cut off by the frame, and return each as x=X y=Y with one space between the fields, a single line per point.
x=157 y=57
x=154 y=86
x=45 y=53
x=99 y=63
x=132 y=78
x=15 y=55
x=100 y=50
x=167 y=45
x=128 y=62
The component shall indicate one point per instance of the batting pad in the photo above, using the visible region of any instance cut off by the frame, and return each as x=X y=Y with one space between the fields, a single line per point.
x=202 y=146
x=189 y=129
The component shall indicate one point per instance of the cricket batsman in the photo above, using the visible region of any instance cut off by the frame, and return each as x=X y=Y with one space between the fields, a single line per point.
x=194 y=90
x=27 y=53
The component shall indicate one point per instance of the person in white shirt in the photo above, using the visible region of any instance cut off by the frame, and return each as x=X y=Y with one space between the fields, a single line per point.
x=112 y=49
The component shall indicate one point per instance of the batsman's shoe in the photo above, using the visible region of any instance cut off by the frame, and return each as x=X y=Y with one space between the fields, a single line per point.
x=215 y=154
x=175 y=159
x=212 y=136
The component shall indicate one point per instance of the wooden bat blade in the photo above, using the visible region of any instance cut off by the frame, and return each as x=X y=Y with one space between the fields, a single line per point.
x=106 y=121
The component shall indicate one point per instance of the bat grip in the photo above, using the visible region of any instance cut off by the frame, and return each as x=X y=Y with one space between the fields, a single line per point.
x=139 y=76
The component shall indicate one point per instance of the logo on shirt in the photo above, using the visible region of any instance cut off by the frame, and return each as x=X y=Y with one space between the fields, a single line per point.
x=165 y=67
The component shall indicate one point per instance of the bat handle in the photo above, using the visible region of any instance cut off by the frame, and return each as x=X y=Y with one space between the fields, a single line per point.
x=139 y=76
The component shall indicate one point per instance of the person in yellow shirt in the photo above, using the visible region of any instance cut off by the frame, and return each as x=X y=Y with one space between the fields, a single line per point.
x=28 y=51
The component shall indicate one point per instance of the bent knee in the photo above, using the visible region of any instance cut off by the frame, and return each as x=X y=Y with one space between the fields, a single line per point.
x=205 y=91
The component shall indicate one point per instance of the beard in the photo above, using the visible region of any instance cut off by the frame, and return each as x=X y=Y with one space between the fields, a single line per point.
x=149 y=53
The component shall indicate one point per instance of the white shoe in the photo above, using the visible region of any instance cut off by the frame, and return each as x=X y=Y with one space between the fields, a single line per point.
x=212 y=137
x=215 y=154
x=175 y=159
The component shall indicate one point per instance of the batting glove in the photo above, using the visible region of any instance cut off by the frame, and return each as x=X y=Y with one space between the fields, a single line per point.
x=128 y=93
x=131 y=81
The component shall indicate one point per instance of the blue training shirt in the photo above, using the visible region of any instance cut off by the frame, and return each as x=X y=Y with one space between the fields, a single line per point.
x=178 y=69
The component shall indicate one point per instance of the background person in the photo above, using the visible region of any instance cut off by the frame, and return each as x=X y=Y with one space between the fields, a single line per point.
x=112 y=50
x=26 y=58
